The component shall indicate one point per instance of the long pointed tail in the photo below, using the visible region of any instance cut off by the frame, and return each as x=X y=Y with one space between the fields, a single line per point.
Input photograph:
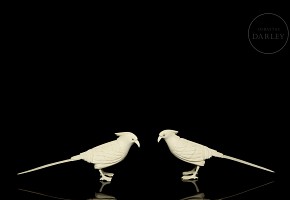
x=48 y=165
x=246 y=163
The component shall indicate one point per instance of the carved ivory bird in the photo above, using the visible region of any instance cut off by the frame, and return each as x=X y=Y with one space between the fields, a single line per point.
x=194 y=153
x=102 y=156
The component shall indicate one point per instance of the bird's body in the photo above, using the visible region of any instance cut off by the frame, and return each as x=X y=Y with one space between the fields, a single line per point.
x=106 y=155
x=194 y=153
x=102 y=156
x=190 y=152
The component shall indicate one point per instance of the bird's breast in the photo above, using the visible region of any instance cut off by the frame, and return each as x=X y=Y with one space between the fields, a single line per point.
x=173 y=145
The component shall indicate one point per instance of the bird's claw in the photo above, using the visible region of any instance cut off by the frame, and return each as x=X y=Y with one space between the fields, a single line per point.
x=108 y=174
x=189 y=177
x=187 y=173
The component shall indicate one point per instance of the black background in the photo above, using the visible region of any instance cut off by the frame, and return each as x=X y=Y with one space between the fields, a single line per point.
x=89 y=74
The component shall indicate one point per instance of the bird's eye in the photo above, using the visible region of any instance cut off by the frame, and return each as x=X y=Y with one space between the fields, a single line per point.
x=132 y=139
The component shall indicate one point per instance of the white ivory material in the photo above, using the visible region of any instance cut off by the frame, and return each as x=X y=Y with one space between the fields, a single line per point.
x=102 y=156
x=194 y=153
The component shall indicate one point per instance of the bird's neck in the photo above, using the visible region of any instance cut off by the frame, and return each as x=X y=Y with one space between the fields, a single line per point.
x=171 y=139
x=124 y=144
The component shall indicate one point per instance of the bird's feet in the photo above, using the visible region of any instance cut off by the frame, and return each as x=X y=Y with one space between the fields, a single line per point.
x=184 y=178
x=106 y=178
x=193 y=171
x=188 y=173
x=108 y=174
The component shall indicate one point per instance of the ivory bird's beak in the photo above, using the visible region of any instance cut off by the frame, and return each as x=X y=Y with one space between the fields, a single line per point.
x=159 y=138
x=137 y=142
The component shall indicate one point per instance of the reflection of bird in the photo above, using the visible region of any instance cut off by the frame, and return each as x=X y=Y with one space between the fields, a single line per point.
x=194 y=153
x=201 y=196
x=198 y=195
x=104 y=155
x=194 y=197
x=100 y=195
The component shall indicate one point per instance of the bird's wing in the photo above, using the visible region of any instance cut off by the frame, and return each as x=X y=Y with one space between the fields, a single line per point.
x=189 y=151
x=106 y=154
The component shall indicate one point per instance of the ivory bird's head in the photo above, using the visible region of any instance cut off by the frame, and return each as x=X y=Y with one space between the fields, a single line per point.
x=166 y=134
x=128 y=137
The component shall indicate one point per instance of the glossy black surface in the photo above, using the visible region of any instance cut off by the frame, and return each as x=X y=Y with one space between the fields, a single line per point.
x=144 y=72
x=151 y=171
